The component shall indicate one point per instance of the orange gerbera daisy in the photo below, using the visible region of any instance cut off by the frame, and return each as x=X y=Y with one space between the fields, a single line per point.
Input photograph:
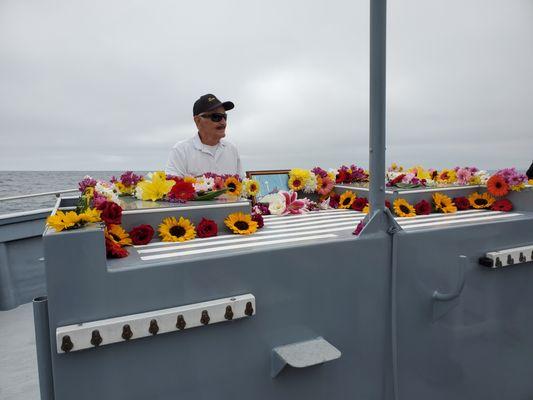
x=497 y=186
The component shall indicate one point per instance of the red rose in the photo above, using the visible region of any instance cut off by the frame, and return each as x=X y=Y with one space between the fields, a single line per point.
x=141 y=234
x=334 y=200
x=182 y=191
x=359 y=203
x=111 y=213
x=387 y=204
x=206 y=228
x=113 y=250
x=259 y=219
x=502 y=205
x=423 y=208
x=341 y=176
x=461 y=203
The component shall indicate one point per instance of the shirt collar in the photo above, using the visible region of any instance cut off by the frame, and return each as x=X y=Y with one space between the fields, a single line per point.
x=198 y=143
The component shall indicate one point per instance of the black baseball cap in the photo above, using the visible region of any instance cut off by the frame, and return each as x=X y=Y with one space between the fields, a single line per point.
x=209 y=102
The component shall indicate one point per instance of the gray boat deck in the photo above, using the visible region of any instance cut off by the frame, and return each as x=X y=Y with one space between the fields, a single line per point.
x=18 y=360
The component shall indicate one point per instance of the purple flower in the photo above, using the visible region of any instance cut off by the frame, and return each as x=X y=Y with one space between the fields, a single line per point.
x=359 y=228
x=319 y=172
x=128 y=178
x=86 y=182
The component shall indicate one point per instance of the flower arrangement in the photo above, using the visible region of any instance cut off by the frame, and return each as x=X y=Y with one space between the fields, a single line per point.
x=283 y=202
x=127 y=183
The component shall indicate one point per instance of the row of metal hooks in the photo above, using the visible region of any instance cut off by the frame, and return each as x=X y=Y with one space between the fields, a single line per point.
x=153 y=329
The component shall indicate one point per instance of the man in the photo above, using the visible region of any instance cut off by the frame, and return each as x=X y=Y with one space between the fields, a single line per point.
x=207 y=151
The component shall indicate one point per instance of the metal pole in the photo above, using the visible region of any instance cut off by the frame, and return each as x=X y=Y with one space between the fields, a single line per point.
x=42 y=344
x=378 y=58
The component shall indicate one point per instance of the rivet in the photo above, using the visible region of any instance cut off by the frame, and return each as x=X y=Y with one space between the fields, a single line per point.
x=180 y=323
x=96 y=338
x=249 y=310
x=66 y=344
x=205 y=318
x=510 y=260
x=229 y=313
x=153 y=329
x=126 y=332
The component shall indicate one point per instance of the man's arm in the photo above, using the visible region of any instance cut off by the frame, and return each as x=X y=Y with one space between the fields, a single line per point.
x=176 y=164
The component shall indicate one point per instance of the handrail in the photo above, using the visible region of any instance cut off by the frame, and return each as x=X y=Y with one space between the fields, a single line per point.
x=25 y=196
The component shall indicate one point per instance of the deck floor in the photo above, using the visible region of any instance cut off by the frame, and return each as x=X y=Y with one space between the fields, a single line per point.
x=18 y=360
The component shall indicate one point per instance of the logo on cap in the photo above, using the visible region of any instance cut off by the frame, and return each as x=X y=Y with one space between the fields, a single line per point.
x=211 y=99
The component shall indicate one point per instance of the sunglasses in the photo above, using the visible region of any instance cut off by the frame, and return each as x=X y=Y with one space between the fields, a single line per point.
x=216 y=117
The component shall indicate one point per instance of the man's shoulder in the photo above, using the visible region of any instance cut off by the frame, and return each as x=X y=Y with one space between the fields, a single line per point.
x=184 y=144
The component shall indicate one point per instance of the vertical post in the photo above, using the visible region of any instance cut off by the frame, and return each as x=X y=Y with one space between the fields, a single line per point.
x=378 y=58
x=42 y=344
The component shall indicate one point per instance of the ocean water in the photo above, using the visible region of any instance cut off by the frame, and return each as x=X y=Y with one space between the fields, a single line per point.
x=14 y=183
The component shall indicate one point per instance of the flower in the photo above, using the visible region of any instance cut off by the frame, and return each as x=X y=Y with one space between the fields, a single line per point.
x=240 y=223
x=296 y=183
x=113 y=249
x=117 y=234
x=402 y=208
x=207 y=228
x=292 y=204
x=443 y=203
x=259 y=219
x=111 y=213
x=484 y=200
x=234 y=186
x=90 y=215
x=346 y=199
x=333 y=200
x=423 y=208
x=298 y=179
x=61 y=221
x=87 y=182
x=141 y=234
x=497 y=186
x=447 y=176
x=461 y=203
x=251 y=188
x=106 y=190
x=359 y=228
x=181 y=191
x=173 y=230
x=502 y=205
x=324 y=185
x=311 y=183
x=359 y=203
x=155 y=188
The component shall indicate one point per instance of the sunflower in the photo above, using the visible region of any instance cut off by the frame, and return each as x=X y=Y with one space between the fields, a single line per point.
x=296 y=183
x=402 y=208
x=443 y=203
x=497 y=186
x=118 y=235
x=240 y=223
x=447 y=176
x=60 y=220
x=234 y=186
x=346 y=199
x=90 y=215
x=173 y=230
x=484 y=200
x=252 y=187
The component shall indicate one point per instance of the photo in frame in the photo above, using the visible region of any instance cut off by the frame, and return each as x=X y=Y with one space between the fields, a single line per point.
x=270 y=181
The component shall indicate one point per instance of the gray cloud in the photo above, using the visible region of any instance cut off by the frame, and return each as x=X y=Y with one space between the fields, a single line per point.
x=110 y=85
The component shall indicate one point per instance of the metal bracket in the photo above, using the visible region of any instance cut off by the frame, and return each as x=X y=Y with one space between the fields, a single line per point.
x=444 y=302
x=303 y=354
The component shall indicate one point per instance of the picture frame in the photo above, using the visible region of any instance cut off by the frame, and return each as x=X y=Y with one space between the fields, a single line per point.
x=269 y=181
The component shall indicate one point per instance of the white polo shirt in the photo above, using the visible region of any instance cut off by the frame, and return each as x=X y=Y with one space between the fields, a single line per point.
x=193 y=158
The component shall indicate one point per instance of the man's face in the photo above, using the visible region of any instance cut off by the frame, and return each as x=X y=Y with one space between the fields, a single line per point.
x=211 y=129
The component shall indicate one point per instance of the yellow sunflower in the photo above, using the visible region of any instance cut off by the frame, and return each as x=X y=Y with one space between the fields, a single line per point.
x=234 y=186
x=402 y=208
x=447 y=176
x=118 y=235
x=477 y=200
x=296 y=183
x=346 y=199
x=443 y=203
x=252 y=187
x=173 y=230
x=240 y=223
x=366 y=209
x=90 y=215
x=60 y=220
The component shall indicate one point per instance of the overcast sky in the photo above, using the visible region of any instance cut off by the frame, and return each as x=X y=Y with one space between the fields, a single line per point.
x=110 y=85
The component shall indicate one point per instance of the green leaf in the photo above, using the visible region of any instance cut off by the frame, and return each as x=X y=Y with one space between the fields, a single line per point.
x=210 y=195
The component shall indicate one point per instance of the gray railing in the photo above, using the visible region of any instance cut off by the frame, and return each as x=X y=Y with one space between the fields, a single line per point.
x=27 y=196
